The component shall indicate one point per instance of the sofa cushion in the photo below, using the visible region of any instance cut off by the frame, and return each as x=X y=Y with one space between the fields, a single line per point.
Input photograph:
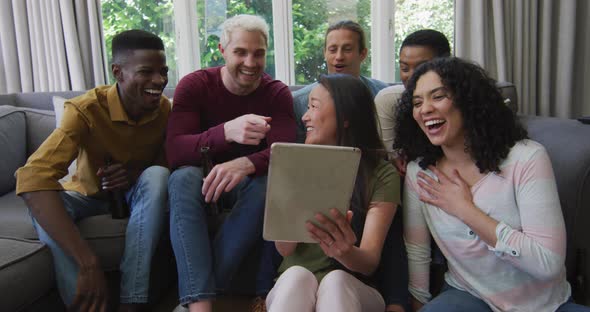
x=13 y=143
x=42 y=100
x=26 y=272
x=15 y=220
x=105 y=235
x=40 y=124
x=58 y=109
x=566 y=142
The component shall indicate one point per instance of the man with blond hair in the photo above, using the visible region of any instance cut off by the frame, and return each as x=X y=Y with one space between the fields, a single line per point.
x=236 y=111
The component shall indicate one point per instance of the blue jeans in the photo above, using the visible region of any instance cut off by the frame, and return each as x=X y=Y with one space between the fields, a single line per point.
x=147 y=204
x=454 y=300
x=198 y=278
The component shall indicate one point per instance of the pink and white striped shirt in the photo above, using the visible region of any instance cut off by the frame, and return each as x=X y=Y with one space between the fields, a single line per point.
x=525 y=271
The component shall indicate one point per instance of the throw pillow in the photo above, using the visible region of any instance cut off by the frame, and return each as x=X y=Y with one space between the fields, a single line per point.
x=58 y=108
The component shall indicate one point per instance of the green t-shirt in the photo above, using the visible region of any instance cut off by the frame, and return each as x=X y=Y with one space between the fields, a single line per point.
x=385 y=186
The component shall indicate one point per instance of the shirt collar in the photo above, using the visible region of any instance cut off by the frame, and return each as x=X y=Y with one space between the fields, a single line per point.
x=118 y=113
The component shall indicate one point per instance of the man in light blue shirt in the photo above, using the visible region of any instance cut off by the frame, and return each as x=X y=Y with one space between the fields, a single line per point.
x=344 y=51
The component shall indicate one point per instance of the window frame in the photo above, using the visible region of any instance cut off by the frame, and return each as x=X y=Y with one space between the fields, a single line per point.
x=382 y=43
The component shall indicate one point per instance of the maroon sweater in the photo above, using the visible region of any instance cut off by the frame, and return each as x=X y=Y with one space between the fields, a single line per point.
x=201 y=107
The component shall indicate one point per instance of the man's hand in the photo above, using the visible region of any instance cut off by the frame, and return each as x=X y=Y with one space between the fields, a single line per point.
x=114 y=177
x=91 y=290
x=48 y=209
x=247 y=129
x=224 y=177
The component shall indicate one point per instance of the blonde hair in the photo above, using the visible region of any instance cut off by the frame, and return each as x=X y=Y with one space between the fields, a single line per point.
x=245 y=22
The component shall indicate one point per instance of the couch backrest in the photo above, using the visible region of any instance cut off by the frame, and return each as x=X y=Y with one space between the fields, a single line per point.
x=12 y=137
x=43 y=100
x=568 y=143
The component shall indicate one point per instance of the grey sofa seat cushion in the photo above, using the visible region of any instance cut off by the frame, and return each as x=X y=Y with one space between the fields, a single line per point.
x=13 y=144
x=26 y=272
x=105 y=235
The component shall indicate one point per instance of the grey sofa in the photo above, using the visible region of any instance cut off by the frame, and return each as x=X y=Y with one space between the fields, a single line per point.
x=27 y=282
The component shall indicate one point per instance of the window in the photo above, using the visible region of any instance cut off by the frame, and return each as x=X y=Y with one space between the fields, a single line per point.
x=212 y=13
x=155 y=16
x=300 y=56
x=311 y=18
x=412 y=15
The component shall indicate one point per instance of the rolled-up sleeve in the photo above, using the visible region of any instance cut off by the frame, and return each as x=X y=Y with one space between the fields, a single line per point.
x=50 y=162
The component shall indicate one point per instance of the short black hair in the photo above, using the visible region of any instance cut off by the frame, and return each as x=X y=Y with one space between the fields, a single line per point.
x=134 y=39
x=348 y=25
x=433 y=39
x=490 y=126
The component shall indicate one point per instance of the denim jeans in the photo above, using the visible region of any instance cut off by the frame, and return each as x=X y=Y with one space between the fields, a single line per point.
x=205 y=267
x=147 y=204
x=454 y=300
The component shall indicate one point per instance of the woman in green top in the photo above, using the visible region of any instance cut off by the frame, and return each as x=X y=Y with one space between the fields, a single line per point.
x=335 y=274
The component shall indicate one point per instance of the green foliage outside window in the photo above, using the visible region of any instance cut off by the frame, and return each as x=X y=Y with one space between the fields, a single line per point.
x=310 y=21
x=155 y=16
x=210 y=55
x=412 y=15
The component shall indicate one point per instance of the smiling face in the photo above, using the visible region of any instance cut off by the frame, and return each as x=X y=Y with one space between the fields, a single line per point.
x=342 y=52
x=141 y=78
x=411 y=57
x=436 y=114
x=320 y=119
x=245 y=58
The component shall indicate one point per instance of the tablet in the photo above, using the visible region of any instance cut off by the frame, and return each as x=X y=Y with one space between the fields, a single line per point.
x=304 y=179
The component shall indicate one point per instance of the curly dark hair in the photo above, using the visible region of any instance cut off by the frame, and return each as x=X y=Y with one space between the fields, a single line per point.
x=490 y=126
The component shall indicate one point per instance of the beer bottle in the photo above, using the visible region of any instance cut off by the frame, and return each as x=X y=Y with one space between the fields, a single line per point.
x=118 y=204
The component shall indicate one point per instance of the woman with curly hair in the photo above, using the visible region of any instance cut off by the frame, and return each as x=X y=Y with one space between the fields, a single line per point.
x=483 y=191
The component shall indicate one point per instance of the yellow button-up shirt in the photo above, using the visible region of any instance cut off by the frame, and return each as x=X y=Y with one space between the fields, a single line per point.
x=94 y=125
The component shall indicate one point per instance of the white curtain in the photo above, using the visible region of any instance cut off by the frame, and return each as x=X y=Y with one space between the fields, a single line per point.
x=51 y=45
x=542 y=46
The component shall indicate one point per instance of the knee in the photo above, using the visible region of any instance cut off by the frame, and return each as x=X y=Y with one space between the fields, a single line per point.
x=185 y=178
x=155 y=178
x=297 y=277
x=254 y=188
x=336 y=279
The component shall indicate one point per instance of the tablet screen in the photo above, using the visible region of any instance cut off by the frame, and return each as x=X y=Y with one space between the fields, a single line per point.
x=304 y=179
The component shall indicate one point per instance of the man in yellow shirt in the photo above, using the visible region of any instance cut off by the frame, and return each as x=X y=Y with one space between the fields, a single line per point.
x=117 y=134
